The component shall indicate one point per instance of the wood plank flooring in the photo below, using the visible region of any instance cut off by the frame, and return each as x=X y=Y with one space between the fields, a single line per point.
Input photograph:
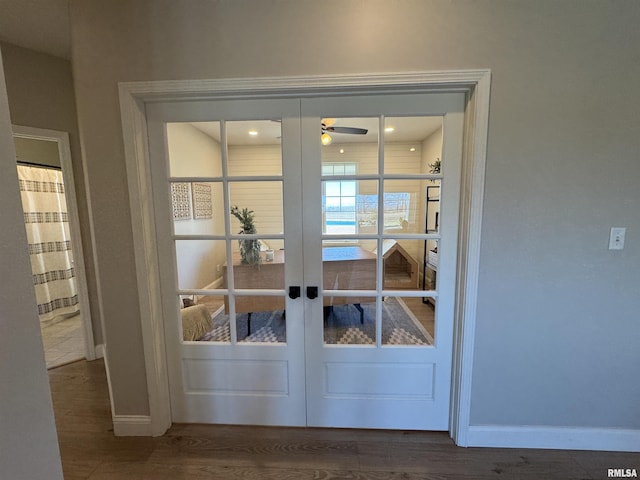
x=90 y=451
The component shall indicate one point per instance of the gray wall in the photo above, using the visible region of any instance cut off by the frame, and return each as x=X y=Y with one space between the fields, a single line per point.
x=40 y=90
x=557 y=322
x=28 y=440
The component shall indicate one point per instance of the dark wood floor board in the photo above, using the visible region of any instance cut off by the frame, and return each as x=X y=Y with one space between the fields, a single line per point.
x=435 y=459
x=251 y=452
x=200 y=472
x=105 y=447
x=76 y=468
x=598 y=463
x=72 y=424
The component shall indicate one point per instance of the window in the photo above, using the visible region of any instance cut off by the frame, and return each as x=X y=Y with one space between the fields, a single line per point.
x=396 y=209
x=347 y=206
x=339 y=199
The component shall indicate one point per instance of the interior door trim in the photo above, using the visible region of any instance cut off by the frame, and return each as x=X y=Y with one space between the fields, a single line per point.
x=135 y=95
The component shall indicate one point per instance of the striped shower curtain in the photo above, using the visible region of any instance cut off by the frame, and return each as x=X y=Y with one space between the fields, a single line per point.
x=47 y=224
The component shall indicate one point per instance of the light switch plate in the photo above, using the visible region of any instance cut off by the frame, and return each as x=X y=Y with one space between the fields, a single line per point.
x=616 y=238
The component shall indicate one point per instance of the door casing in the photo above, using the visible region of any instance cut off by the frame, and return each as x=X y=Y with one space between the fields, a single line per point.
x=133 y=97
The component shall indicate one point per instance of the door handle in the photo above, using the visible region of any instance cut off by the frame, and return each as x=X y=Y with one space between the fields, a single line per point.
x=294 y=292
x=312 y=292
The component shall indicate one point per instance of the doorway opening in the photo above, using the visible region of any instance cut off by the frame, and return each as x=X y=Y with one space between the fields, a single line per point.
x=137 y=97
x=53 y=234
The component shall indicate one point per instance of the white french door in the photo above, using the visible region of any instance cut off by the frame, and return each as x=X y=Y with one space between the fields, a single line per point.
x=332 y=303
x=377 y=355
x=207 y=160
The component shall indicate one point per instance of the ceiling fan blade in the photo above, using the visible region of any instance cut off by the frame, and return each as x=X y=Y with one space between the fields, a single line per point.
x=350 y=130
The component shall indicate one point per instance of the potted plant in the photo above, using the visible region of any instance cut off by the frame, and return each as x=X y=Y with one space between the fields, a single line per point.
x=435 y=166
x=249 y=249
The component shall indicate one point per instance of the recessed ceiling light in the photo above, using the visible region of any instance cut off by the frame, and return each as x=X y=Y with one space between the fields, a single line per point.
x=412 y=149
x=342 y=150
x=389 y=129
x=253 y=133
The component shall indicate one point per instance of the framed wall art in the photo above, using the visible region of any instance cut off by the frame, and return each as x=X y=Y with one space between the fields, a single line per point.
x=202 y=205
x=181 y=200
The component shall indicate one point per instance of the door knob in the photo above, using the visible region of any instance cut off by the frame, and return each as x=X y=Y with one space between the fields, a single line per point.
x=294 y=292
x=312 y=292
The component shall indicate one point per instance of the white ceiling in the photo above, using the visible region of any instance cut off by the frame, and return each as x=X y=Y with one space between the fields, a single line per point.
x=406 y=129
x=41 y=25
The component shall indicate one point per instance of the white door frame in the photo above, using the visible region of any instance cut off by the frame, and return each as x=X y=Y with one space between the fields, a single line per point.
x=64 y=152
x=134 y=96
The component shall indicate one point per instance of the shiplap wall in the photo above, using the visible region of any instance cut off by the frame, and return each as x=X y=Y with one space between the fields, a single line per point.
x=264 y=198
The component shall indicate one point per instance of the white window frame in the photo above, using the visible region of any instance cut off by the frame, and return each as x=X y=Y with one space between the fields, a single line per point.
x=337 y=178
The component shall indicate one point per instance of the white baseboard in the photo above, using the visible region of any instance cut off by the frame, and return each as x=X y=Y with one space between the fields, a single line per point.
x=132 y=426
x=563 y=438
x=217 y=283
x=99 y=351
x=212 y=286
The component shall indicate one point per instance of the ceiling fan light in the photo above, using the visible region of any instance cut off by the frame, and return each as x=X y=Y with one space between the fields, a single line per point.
x=326 y=139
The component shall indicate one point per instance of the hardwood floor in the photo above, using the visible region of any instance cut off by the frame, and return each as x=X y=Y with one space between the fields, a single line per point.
x=90 y=451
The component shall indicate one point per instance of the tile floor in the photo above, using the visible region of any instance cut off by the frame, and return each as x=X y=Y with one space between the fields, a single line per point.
x=63 y=341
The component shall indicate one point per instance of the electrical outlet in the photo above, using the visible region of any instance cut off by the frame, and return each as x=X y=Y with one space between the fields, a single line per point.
x=616 y=238
x=218 y=268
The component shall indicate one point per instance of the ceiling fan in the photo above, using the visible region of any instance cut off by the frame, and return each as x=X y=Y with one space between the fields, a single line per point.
x=326 y=126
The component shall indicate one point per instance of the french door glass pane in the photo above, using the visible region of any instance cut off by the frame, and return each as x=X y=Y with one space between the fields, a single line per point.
x=254 y=147
x=349 y=206
x=349 y=266
x=256 y=265
x=350 y=320
x=349 y=146
x=203 y=318
x=198 y=208
x=431 y=265
x=405 y=206
x=199 y=263
x=263 y=203
x=261 y=319
x=402 y=261
x=433 y=206
x=194 y=149
x=407 y=321
x=412 y=145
